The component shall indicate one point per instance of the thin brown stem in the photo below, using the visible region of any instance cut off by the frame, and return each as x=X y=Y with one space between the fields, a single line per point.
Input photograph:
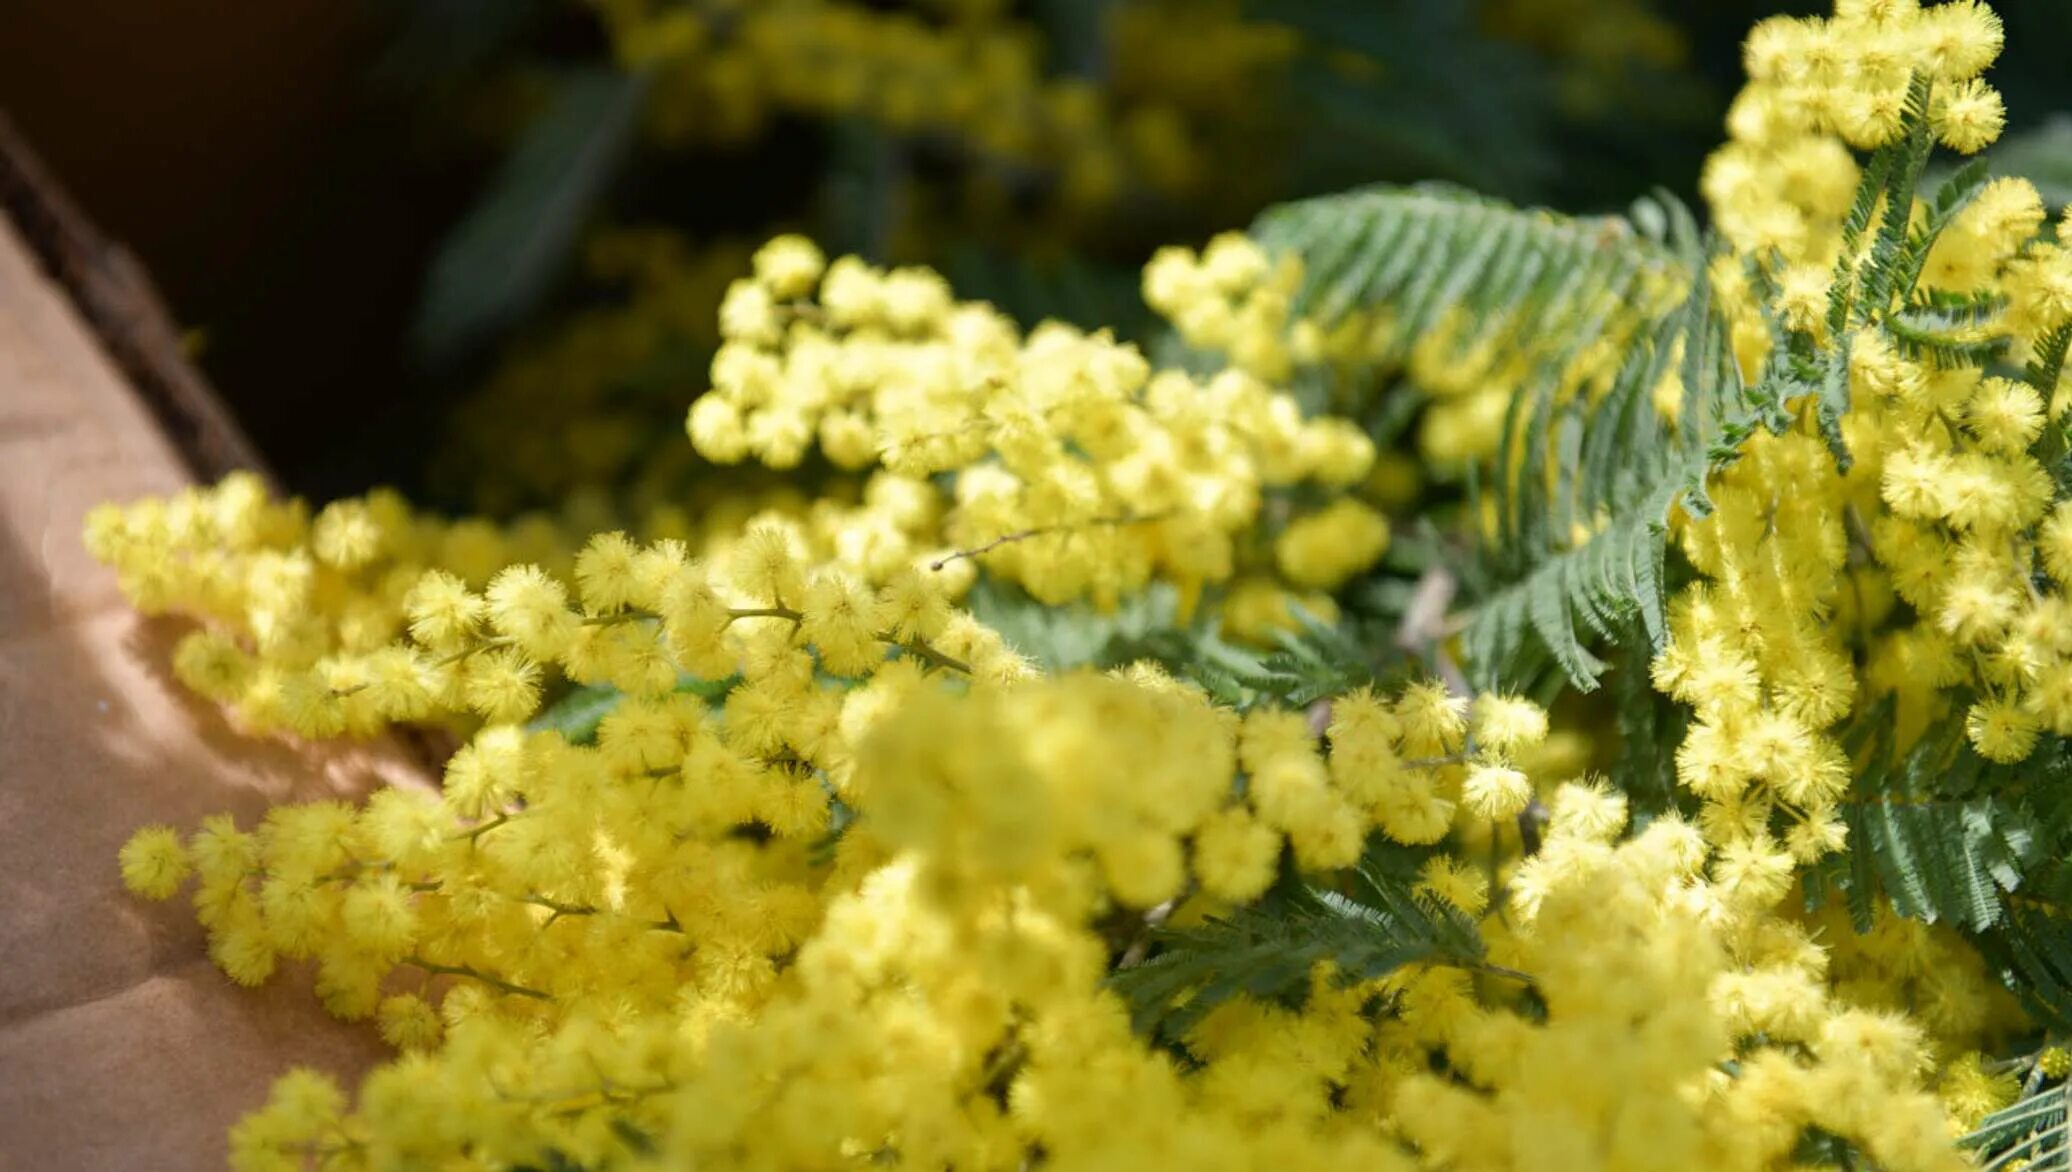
x=1040 y=531
x=921 y=650
x=1487 y=969
x=478 y=831
x=582 y=909
x=475 y=974
x=446 y=660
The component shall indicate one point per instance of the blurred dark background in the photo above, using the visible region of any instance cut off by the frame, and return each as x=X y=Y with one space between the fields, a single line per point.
x=291 y=172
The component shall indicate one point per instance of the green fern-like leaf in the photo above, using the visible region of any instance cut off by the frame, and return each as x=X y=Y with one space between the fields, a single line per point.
x=2033 y=1134
x=1614 y=468
x=2031 y=945
x=1075 y=634
x=1934 y=830
x=1433 y=253
x=2054 y=446
x=1549 y=288
x=503 y=257
x=577 y=714
x=1317 y=661
x=1940 y=859
x=1585 y=479
x=1650 y=727
x=1269 y=949
x=1893 y=176
x=1922 y=335
x=2032 y=949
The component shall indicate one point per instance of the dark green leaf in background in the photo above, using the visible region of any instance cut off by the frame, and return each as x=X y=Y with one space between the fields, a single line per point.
x=501 y=260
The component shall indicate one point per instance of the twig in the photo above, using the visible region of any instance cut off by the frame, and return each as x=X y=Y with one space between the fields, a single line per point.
x=920 y=649
x=461 y=970
x=1040 y=531
x=1425 y=629
x=735 y=614
x=1141 y=946
x=478 y=831
x=1487 y=969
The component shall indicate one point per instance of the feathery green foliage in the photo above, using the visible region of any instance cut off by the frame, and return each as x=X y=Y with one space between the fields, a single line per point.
x=1944 y=836
x=1376 y=924
x=2054 y=447
x=1614 y=466
x=1583 y=484
x=1501 y=277
x=2032 y=1134
x=1320 y=661
x=2033 y=950
x=1076 y=634
x=1931 y=829
x=502 y=259
x=579 y=712
x=1430 y=252
x=1573 y=508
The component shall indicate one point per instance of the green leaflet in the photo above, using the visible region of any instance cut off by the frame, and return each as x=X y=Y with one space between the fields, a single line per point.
x=1438 y=259
x=2031 y=1134
x=1432 y=251
x=1944 y=836
x=577 y=714
x=2032 y=951
x=1650 y=727
x=2054 y=446
x=498 y=263
x=1075 y=634
x=1581 y=487
x=1268 y=949
x=2031 y=946
x=1319 y=661
x=1931 y=830
x=2041 y=154
x=1615 y=468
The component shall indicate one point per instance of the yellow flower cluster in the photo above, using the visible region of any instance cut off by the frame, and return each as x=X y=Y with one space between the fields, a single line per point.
x=650 y=937
x=299 y=608
x=1923 y=574
x=1820 y=86
x=1939 y=559
x=587 y=402
x=1637 y=986
x=610 y=969
x=372 y=614
x=1067 y=115
x=1594 y=44
x=1079 y=471
x=1754 y=752
x=1232 y=300
x=842 y=878
x=1926 y=973
x=643 y=950
x=966 y=74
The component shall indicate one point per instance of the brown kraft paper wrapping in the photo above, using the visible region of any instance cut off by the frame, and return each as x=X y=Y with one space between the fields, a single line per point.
x=121 y=1046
